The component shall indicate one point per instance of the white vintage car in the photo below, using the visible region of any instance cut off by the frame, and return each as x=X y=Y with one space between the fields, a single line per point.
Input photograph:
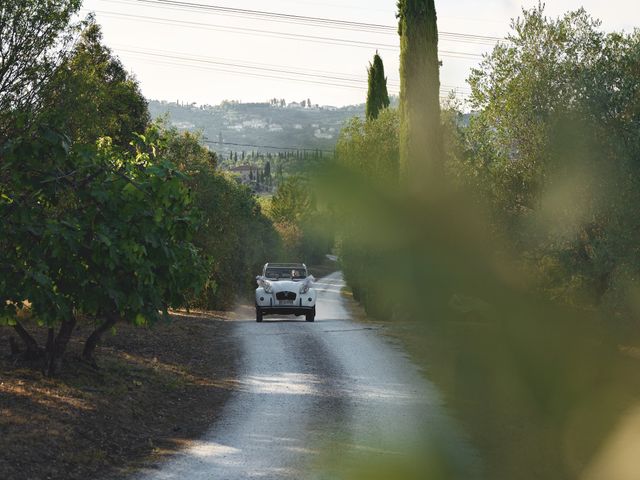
x=285 y=289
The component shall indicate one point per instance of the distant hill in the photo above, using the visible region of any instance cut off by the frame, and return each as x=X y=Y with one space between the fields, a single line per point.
x=272 y=124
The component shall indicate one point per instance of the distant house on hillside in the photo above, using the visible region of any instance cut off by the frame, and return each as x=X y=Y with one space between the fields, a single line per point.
x=243 y=172
x=251 y=176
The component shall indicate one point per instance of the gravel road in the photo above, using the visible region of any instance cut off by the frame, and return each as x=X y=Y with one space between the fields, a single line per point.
x=313 y=395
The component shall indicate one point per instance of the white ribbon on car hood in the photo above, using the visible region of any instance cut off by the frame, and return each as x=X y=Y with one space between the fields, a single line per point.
x=264 y=283
x=308 y=281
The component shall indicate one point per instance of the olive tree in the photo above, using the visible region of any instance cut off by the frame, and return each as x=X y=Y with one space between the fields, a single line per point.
x=554 y=146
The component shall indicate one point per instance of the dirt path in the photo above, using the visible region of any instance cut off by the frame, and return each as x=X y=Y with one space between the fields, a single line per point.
x=317 y=396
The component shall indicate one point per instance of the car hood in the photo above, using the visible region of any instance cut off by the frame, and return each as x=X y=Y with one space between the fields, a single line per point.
x=285 y=286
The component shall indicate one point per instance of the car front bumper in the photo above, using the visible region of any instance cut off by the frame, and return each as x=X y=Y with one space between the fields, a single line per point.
x=285 y=310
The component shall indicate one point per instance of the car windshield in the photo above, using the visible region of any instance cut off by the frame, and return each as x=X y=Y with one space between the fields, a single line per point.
x=283 y=273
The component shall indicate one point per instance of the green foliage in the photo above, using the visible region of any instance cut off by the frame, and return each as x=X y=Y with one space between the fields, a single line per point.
x=35 y=38
x=292 y=201
x=369 y=151
x=234 y=233
x=496 y=279
x=521 y=90
x=86 y=230
x=93 y=96
x=420 y=133
x=377 y=95
x=112 y=231
x=371 y=147
x=301 y=223
x=93 y=223
x=270 y=169
x=553 y=150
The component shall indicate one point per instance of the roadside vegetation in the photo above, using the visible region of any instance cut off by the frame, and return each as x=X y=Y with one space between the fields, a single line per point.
x=107 y=217
x=504 y=252
x=302 y=223
x=110 y=223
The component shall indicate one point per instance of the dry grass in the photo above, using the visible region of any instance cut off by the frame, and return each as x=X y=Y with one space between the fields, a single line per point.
x=156 y=390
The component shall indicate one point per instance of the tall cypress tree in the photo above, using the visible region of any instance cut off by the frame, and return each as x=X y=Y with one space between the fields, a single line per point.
x=421 y=148
x=377 y=96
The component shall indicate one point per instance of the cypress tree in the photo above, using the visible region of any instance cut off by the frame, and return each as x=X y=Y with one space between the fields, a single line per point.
x=377 y=95
x=421 y=148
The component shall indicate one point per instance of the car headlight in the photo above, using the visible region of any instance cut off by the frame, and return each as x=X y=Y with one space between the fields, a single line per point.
x=304 y=289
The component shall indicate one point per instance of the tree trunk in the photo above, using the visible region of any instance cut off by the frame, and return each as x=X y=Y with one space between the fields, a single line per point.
x=93 y=339
x=51 y=336
x=33 y=351
x=15 y=348
x=58 y=346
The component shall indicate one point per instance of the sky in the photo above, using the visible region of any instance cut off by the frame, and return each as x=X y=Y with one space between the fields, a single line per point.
x=206 y=55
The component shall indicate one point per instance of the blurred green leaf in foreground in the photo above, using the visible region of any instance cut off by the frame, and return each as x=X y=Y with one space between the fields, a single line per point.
x=512 y=273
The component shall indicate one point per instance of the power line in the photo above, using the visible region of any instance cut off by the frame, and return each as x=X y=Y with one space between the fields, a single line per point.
x=181 y=62
x=247 y=64
x=264 y=14
x=270 y=147
x=258 y=70
x=269 y=33
x=264 y=66
x=301 y=19
x=444 y=93
x=242 y=65
x=252 y=31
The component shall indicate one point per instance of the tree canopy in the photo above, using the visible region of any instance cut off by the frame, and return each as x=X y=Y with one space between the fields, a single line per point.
x=104 y=217
x=234 y=232
x=91 y=95
x=35 y=37
x=113 y=232
x=554 y=150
